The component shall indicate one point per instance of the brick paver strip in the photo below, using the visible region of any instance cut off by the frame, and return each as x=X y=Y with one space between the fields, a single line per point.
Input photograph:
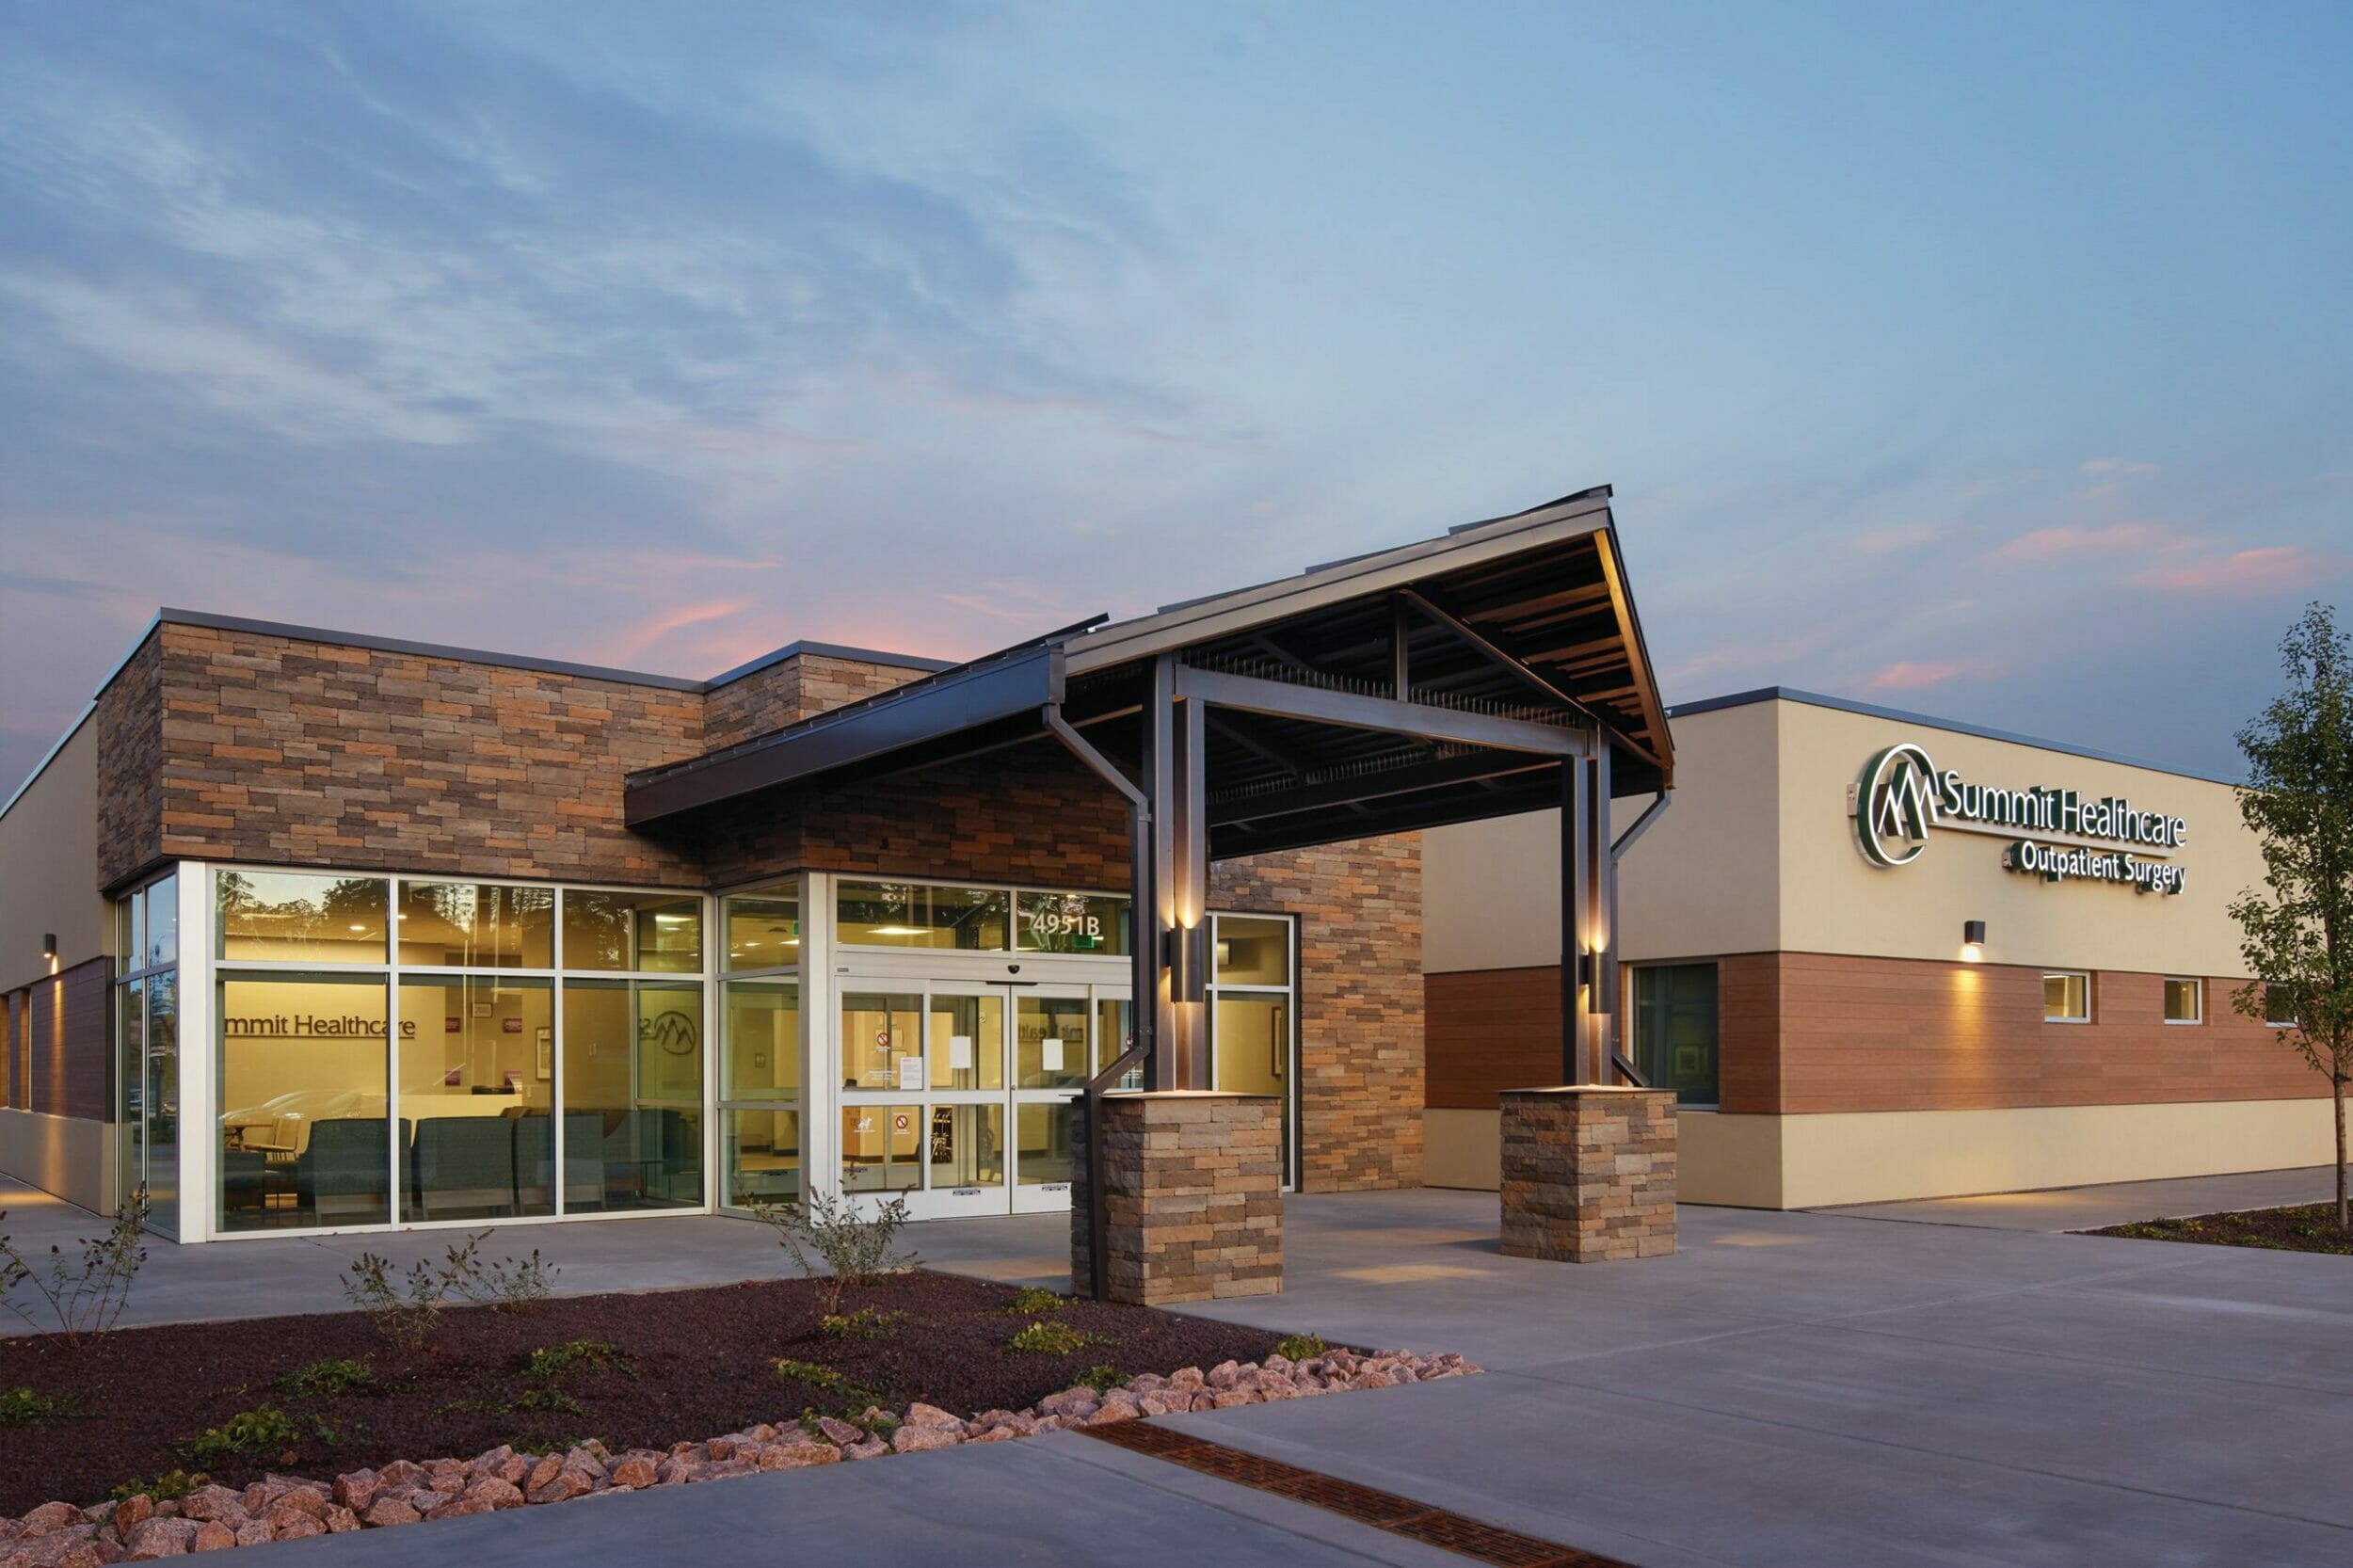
x=1384 y=1511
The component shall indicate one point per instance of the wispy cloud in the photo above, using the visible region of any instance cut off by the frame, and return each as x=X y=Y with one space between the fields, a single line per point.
x=2067 y=541
x=2116 y=465
x=1907 y=675
x=2264 y=570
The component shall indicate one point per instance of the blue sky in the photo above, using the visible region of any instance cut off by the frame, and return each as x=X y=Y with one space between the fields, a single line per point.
x=1993 y=361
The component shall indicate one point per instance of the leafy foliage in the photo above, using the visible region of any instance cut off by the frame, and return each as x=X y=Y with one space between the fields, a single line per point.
x=83 y=1299
x=29 y=1407
x=1045 y=1338
x=1302 y=1347
x=851 y=1247
x=1101 y=1379
x=249 y=1432
x=867 y=1322
x=548 y=1362
x=326 y=1379
x=2296 y=931
x=812 y=1375
x=167 y=1487
x=1036 y=1300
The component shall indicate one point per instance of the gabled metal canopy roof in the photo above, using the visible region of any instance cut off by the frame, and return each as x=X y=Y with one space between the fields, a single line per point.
x=1439 y=681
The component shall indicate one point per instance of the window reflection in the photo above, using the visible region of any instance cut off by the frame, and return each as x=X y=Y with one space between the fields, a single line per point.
x=300 y=918
x=304 y=1139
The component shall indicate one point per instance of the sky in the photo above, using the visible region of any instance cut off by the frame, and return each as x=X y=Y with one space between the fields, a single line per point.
x=1991 y=361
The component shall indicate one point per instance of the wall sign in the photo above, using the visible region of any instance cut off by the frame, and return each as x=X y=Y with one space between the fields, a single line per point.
x=2054 y=834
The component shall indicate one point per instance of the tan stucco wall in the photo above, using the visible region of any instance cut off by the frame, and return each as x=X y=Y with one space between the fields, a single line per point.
x=49 y=866
x=1832 y=900
x=1878 y=1156
x=65 y=1155
x=1872 y=1157
x=1700 y=881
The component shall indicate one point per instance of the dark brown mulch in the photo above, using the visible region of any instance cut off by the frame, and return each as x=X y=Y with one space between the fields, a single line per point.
x=688 y=1365
x=2308 y=1228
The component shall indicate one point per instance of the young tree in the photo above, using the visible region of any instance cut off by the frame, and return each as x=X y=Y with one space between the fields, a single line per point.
x=2297 y=930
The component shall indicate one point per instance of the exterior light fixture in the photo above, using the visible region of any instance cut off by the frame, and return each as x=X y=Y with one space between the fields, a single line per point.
x=1188 y=966
x=1972 y=940
x=49 y=945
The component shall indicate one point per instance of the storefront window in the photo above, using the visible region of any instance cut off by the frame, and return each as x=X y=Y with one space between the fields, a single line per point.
x=1251 y=1039
x=916 y=915
x=967 y=1044
x=476 y=1059
x=2185 y=1001
x=1675 y=1030
x=1252 y=951
x=476 y=925
x=763 y=1156
x=296 y=917
x=161 y=945
x=630 y=1086
x=1050 y=1042
x=1071 y=923
x=303 y=1078
x=967 y=1146
x=882 y=1043
x=763 y=1039
x=1043 y=1151
x=2066 y=997
x=161 y=1101
x=650 y=933
x=763 y=928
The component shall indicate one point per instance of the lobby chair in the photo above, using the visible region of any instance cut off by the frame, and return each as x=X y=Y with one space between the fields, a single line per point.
x=344 y=1173
x=583 y=1160
x=463 y=1163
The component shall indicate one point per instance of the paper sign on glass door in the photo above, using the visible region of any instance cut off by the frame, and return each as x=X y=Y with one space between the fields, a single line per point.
x=910 y=1074
x=1052 y=1047
x=960 y=1053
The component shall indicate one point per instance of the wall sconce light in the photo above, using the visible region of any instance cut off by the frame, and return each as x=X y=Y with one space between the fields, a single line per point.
x=1972 y=940
x=1585 y=970
x=1188 y=955
x=49 y=945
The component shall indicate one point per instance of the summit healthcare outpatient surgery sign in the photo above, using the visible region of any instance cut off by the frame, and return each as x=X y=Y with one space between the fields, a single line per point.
x=2054 y=834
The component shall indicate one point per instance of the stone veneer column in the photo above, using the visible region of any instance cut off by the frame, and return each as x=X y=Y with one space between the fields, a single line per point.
x=1194 y=1183
x=1589 y=1174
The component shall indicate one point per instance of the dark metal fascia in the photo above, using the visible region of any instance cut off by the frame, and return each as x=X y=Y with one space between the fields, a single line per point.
x=1011 y=688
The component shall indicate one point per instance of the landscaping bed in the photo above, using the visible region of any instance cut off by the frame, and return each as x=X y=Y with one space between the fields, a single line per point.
x=2307 y=1228
x=326 y=1393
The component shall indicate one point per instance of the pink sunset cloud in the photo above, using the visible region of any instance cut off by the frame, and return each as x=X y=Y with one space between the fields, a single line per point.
x=1906 y=675
x=2065 y=541
x=2244 y=571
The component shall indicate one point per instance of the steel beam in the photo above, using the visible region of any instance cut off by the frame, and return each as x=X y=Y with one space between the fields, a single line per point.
x=1353 y=710
x=1358 y=787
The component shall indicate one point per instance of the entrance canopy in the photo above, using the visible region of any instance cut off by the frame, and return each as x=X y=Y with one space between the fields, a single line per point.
x=1439 y=682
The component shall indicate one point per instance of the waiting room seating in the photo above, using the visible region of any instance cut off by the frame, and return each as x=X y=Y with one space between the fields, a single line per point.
x=346 y=1172
x=463 y=1164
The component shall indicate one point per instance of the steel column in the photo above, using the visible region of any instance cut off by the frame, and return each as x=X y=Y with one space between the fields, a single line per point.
x=1576 y=902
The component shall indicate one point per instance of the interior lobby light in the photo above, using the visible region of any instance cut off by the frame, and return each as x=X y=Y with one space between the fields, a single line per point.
x=1972 y=941
x=896 y=931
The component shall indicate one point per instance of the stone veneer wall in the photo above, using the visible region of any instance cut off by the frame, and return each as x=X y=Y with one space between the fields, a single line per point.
x=130 y=720
x=1192 y=1187
x=790 y=690
x=275 y=748
x=1360 y=1002
x=1589 y=1174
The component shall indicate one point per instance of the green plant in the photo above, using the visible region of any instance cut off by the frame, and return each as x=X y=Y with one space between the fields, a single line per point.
x=1302 y=1347
x=547 y=1397
x=2298 y=931
x=405 y=1309
x=867 y=1322
x=1101 y=1379
x=551 y=1361
x=1043 y=1338
x=851 y=1247
x=167 y=1487
x=28 y=1407
x=814 y=1375
x=264 y=1428
x=1035 y=1301
x=84 y=1299
x=539 y=1448
x=326 y=1379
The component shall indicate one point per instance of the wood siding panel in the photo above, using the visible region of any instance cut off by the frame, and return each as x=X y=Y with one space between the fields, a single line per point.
x=1906 y=1035
x=1491 y=1029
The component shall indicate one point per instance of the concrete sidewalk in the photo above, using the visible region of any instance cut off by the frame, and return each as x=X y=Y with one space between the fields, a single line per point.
x=2114 y=1203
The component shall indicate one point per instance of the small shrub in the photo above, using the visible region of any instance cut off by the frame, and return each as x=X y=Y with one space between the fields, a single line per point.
x=168 y=1487
x=539 y=1448
x=550 y=1362
x=29 y=1407
x=1101 y=1379
x=879 y=1423
x=867 y=1322
x=263 y=1430
x=1043 y=1338
x=509 y=1284
x=84 y=1299
x=547 y=1397
x=1036 y=1300
x=1302 y=1347
x=328 y=1378
x=406 y=1308
x=851 y=1248
x=814 y=1375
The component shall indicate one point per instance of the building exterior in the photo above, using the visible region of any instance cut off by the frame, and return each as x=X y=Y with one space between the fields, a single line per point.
x=307 y=930
x=1861 y=984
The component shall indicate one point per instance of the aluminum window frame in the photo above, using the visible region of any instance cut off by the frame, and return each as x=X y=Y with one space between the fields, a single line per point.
x=2196 y=985
x=2091 y=997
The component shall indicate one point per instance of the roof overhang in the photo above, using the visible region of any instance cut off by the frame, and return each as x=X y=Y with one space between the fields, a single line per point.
x=1439 y=681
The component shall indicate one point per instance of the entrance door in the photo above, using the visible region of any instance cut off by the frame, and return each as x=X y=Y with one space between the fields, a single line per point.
x=958 y=1094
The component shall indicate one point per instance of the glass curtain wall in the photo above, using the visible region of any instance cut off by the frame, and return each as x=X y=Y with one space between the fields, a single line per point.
x=147 y=1055
x=759 y=1021
x=428 y=1050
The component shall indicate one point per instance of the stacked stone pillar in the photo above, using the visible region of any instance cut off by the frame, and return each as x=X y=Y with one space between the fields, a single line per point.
x=1589 y=1173
x=1193 y=1184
